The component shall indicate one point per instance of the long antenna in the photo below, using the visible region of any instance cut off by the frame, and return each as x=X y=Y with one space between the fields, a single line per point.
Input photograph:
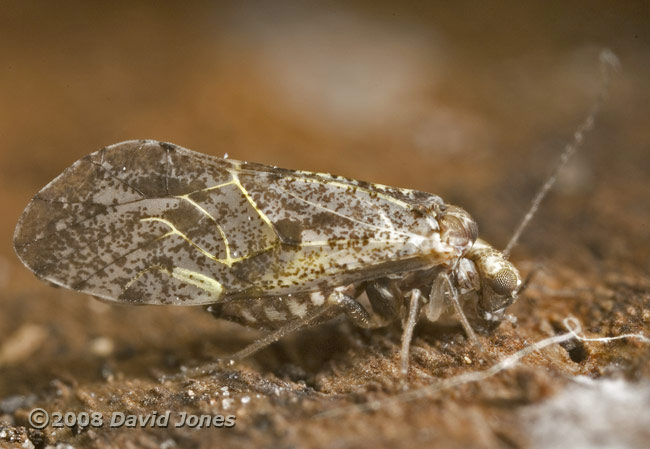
x=608 y=63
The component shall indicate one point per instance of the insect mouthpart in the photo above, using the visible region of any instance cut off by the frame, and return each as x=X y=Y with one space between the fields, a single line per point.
x=499 y=292
x=495 y=312
x=500 y=281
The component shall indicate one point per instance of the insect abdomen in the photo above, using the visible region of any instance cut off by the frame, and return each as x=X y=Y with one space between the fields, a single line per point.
x=270 y=313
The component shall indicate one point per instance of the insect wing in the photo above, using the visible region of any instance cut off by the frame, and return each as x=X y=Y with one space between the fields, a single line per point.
x=151 y=222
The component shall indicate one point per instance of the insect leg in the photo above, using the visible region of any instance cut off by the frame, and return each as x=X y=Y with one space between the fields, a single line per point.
x=407 y=335
x=277 y=334
x=385 y=299
x=266 y=340
x=353 y=310
x=437 y=298
x=443 y=290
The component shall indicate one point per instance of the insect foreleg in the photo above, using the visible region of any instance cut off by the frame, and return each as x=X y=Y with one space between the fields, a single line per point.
x=437 y=298
x=443 y=292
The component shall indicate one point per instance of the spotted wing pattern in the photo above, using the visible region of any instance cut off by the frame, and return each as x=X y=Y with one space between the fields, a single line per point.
x=151 y=222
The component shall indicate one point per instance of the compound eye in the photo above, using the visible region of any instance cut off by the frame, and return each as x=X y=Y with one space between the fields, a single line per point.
x=505 y=282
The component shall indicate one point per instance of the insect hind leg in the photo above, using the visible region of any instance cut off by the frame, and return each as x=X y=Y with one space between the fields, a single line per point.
x=386 y=299
x=289 y=326
x=336 y=300
x=272 y=337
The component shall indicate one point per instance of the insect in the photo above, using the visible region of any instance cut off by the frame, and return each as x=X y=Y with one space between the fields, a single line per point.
x=148 y=222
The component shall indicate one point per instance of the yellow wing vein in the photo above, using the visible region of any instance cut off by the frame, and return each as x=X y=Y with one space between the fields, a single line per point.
x=213 y=219
x=250 y=200
x=229 y=261
x=194 y=278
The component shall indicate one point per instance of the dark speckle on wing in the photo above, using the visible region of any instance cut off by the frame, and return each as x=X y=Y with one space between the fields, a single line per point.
x=151 y=222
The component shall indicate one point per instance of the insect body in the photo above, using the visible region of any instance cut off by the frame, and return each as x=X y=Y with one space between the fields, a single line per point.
x=147 y=222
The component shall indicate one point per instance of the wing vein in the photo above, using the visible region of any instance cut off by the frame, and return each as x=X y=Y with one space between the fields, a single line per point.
x=354 y=220
x=108 y=172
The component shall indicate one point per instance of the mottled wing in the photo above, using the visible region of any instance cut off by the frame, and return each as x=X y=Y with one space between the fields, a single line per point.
x=336 y=230
x=150 y=222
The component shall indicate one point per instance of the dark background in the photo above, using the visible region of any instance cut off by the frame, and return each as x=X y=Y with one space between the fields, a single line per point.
x=473 y=101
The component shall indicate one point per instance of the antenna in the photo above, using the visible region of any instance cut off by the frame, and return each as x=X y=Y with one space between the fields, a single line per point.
x=608 y=63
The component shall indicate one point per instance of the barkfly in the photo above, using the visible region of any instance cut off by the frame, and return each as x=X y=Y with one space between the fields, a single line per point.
x=148 y=222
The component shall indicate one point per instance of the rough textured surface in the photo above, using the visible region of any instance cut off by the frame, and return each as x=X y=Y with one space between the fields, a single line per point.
x=471 y=104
